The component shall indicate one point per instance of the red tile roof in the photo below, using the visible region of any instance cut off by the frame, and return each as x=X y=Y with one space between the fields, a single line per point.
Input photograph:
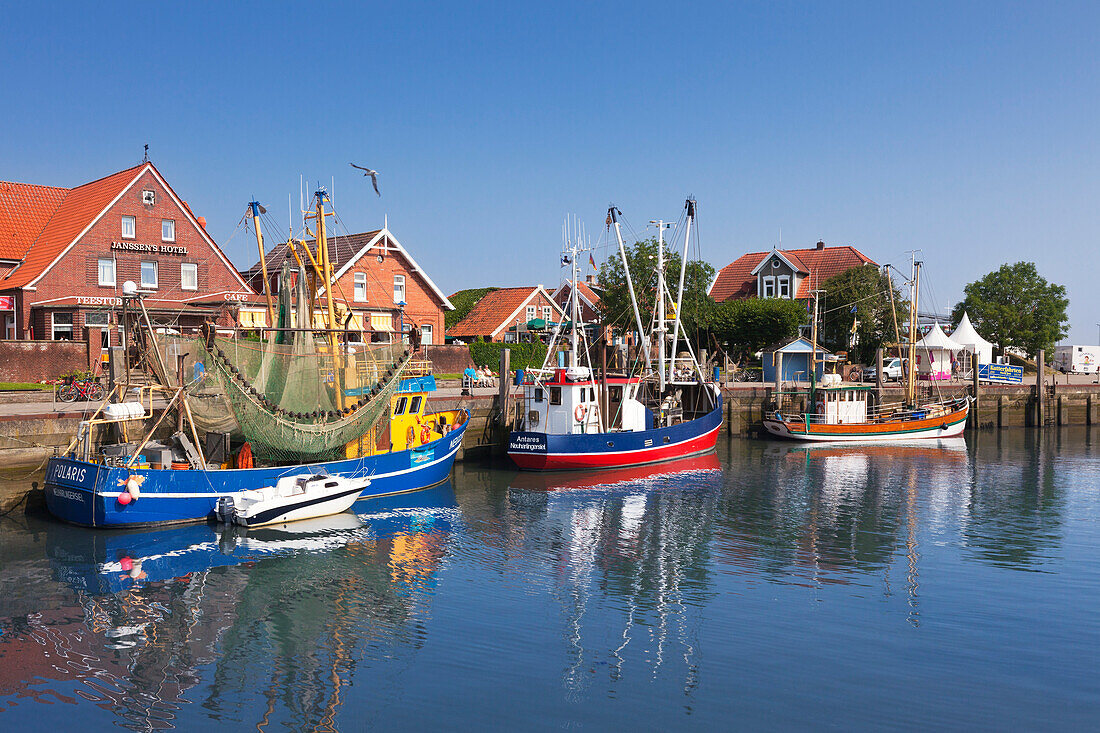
x=491 y=312
x=24 y=210
x=735 y=281
x=73 y=210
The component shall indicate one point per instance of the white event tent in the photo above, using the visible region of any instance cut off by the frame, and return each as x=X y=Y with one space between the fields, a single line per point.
x=965 y=335
x=934 y=354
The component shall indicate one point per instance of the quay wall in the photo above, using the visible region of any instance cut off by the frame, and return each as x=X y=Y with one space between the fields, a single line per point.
x=33 y=361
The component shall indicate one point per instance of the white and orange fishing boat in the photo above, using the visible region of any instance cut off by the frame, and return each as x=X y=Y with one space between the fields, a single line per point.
x=849 y=414
x=853 y=413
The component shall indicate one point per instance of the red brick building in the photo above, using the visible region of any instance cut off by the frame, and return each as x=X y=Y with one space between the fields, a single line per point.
x=784 y=273
x=589 y=298
x=498 y=311
x=374 y=275
x=66 y=252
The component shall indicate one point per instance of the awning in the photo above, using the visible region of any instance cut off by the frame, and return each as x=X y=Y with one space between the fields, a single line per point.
x=251 y=318
x=536 y=324
x=381 y=322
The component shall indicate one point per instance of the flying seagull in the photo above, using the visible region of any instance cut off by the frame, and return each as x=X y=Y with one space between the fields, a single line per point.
x=368 y=172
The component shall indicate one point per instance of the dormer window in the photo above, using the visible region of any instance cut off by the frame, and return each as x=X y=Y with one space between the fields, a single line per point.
x=783 y=286
x=769 y=287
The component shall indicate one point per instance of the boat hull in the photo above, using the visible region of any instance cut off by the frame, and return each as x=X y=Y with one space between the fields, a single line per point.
x=941 y=426
x=85 y=493
x=548 y=452
x=280 y=511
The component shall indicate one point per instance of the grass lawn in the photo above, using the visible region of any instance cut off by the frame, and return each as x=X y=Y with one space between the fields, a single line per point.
x=24 y=387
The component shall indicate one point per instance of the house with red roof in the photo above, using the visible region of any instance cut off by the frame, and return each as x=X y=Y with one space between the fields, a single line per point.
x=502 y=313
x=377 y=281
x=784 y=273
x=66 y=252
x=588 y=296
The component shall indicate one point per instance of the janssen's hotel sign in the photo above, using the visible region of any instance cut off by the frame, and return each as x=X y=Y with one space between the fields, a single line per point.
x=164 y=249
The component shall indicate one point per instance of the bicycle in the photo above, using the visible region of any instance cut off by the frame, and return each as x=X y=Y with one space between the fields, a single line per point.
x=81 y=389
x=748 y=375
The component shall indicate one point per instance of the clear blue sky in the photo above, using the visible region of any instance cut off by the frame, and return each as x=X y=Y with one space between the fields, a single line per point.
x=968 y=130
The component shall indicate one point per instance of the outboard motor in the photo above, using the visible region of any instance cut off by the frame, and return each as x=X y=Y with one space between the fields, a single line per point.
x=226 y=510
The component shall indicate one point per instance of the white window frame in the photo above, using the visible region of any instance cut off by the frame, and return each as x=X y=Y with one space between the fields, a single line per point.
x=99 y=272
x=546 y=311
x=531 y=313
x=71 y=325
x=399 y=289
x=359 y=288
x=171 y=234
x=769 y=287
x=192 y=267
x=426 y=334
x=156 y=274
x=10 y=331
x=783 y=287
x=132 y=221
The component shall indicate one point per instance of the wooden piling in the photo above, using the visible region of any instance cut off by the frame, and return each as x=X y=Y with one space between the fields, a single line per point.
x=1088 y=410
x=974 y=409
x=878 y=375
x=1040 y=413
x=502 y=395
x=1000 y=411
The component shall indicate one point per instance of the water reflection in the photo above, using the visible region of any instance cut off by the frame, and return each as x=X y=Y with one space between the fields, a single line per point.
x=282 y=610
x=602 y=595
x=625 y=551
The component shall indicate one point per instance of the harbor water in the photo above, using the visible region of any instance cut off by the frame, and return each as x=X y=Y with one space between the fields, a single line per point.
x=772 y=586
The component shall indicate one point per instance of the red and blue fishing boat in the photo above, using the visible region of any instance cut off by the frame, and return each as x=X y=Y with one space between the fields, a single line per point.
x=577 y=417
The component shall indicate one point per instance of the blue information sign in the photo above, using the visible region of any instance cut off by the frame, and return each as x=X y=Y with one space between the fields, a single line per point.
x=1001 y=373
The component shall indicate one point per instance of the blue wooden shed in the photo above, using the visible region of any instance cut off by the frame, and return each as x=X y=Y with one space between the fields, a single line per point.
x=796 y=361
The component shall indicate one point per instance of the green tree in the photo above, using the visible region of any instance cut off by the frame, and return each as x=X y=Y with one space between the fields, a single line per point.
x=464 y=301
x=866 y=290
x=642 y=256
x=1015 y=306
x=744 y=327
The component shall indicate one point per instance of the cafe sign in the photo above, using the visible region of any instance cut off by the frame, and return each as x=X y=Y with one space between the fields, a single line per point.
x=164 y=249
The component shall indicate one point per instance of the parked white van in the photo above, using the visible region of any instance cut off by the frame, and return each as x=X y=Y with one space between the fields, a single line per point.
x=1077 y=359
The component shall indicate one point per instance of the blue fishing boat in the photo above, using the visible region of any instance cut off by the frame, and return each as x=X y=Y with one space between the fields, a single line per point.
x=88 y=493
x=304 y=397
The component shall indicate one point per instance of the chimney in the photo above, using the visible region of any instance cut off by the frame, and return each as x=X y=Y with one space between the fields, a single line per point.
x=202 y=222
x=589 y=279
x=821 y=245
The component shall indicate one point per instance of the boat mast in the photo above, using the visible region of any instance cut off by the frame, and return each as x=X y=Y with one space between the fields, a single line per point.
x=256 y=209
x=911 y=369
x=662 y=326
x=813 y=350
x=690 y=206
x=643 y=342
x=326 y=266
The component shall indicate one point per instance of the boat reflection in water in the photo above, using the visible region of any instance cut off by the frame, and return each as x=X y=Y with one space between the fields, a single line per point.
x=566 y=480
x=626 y=545
x=285 y=608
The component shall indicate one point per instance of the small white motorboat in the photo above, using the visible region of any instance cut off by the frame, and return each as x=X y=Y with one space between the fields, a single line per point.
x=305 y=496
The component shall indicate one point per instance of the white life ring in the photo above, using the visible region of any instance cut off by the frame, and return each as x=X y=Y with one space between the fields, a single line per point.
x=580 y=413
